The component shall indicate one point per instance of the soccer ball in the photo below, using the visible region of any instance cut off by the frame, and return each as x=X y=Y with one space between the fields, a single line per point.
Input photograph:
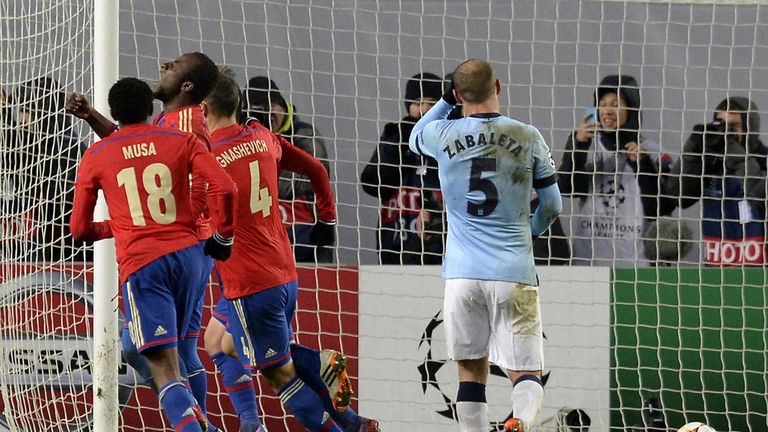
x=696 y=427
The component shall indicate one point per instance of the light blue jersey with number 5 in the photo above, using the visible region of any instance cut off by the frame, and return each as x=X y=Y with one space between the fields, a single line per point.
x=488 y=165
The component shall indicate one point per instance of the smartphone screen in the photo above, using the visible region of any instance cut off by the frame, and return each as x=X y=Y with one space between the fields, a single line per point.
x=592 y=111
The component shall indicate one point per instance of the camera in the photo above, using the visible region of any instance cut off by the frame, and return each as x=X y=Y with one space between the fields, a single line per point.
x=713 y=136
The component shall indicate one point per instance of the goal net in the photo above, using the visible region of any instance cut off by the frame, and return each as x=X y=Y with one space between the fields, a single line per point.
x=652 y=280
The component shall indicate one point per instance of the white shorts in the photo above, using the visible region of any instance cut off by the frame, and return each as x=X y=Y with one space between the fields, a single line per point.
x=499 y=319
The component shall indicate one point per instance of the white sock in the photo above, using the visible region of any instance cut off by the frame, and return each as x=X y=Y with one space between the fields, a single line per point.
x=527 y=397
x=473 y=416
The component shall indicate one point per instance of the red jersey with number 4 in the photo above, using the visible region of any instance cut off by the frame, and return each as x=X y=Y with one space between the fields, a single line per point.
x=144 y=172
x=261 y=255
x=190 y=119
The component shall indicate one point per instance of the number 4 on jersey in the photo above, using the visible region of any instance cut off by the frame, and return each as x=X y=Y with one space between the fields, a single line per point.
x=261 y=201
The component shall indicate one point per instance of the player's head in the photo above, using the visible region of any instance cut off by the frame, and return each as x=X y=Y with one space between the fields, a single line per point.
x=422 y=91
x=130 y=101
x=475 y=81
x=224 y=100
x=262 y=100
x=191 y=76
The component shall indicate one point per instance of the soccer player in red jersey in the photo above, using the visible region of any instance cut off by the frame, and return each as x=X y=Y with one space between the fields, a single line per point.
x=260 y=280
x=144 y=173
x=182 y=86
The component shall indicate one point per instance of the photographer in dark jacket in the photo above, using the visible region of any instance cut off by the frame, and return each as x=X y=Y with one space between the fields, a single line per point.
x=411 y=224
x=724 y=165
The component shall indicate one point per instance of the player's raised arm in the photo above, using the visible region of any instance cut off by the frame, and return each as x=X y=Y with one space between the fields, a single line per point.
x=79 y=106
x=81 y=222
x=440 y=111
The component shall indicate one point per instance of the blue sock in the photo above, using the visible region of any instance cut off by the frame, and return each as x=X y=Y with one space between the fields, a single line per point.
x=239 y=385
x=307 y=363
x=306 y=406
x=196 y=377
x=179 y=407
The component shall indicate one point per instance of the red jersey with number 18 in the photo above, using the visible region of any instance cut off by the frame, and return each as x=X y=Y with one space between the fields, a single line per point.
x=144 y=172
x=261 y=255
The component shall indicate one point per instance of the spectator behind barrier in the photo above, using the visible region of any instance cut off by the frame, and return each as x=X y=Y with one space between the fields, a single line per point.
x=723 y=165
x=610 y=171
x=411 y=225
x=42 y=151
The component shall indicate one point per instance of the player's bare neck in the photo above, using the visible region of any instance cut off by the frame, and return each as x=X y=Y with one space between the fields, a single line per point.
x=176 y=103
x=489 y=106
x=214 y=123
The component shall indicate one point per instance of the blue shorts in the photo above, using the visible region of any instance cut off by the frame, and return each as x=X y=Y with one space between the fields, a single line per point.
x=221 y=311
x=162 y=298
x=197 y=317
x=261 y=325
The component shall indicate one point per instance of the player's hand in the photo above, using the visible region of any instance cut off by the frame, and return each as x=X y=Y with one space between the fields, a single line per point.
x=448 y=96
x=218 y=247
x=585 y=130
x=323 y=233
x=79 y=106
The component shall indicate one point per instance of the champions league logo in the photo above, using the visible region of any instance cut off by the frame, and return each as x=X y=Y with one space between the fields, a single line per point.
x=431 y=369
x=432 y=375
x=610 y=196
x=46 y=350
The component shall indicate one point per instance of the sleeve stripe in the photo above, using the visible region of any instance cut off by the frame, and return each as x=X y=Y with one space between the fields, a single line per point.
x=546 y=181
x=418 y=146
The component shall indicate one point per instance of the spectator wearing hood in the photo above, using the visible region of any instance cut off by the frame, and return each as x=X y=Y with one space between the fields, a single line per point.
x=610 y=171
x=41 y=151
x=263 y=101
x=723 y=165
x=411 y=228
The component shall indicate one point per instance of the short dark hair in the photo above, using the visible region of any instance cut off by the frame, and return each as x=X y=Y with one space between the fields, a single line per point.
x=475 y=80
x=130 y=100
x=225 y=97
x=204 y=75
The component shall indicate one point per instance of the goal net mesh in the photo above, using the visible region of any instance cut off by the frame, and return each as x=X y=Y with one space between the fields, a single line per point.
x=668 y=324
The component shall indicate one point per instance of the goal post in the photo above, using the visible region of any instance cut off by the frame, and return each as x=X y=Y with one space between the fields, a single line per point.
x=106 y=339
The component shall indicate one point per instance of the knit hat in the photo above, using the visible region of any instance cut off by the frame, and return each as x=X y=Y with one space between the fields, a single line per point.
x=421 y=86
x=261 y=93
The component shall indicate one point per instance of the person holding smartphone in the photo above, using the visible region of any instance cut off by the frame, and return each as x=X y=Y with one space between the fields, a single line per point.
x=610 y=171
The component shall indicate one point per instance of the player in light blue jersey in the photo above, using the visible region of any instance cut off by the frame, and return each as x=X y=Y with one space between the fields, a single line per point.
x=488 y=165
